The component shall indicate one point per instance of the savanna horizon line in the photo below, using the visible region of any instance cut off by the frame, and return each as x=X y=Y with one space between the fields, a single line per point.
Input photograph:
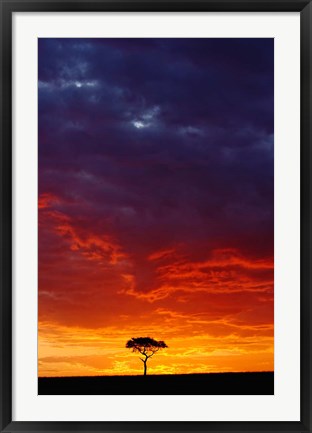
x=161 y=374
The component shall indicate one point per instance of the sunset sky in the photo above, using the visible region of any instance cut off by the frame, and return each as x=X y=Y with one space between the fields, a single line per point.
x=156 y=191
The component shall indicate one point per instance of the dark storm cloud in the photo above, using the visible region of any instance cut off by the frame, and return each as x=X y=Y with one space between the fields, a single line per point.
x=160 y=141
x=214 y=80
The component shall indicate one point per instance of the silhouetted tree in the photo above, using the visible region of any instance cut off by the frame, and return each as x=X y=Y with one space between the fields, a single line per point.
x=146 y=346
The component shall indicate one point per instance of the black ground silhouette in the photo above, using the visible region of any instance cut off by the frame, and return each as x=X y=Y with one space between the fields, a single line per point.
x=261 y=383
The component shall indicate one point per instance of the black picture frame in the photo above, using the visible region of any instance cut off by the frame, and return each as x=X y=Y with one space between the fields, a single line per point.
x=8 y=7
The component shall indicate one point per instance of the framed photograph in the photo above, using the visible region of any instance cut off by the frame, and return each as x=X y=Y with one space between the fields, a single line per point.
x=155 y=216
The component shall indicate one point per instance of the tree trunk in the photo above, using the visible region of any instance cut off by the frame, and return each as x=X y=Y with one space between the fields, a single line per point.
x=145 y=367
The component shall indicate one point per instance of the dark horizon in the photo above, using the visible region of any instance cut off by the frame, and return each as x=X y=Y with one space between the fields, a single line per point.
x=251 y=383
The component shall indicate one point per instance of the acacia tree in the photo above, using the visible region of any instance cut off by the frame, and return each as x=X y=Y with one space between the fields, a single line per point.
x=146 y=346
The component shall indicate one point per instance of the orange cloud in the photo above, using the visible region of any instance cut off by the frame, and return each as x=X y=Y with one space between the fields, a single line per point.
x=76 y=351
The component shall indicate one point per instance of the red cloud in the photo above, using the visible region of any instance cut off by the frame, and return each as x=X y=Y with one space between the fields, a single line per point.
x=90 y=245
x=46 y=200
x=225 y=271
